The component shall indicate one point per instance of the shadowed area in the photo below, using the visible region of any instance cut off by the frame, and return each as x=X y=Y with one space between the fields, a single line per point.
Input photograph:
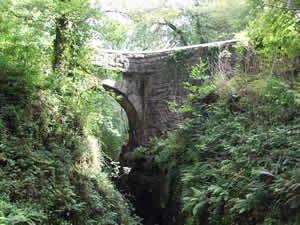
x=128 y=106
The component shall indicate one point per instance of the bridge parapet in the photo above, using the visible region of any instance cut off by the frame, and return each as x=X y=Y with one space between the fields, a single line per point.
x=149 y=61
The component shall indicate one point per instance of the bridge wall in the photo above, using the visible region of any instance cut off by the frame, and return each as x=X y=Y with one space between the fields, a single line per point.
x=152 y=79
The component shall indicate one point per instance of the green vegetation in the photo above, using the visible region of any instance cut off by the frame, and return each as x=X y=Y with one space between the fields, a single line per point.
x=52 y=169
x=53 y=159
x=164 y=26
x=238 y=155
x=235 y=160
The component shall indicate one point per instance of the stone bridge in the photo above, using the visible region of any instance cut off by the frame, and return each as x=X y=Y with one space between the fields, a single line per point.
x=151 y=79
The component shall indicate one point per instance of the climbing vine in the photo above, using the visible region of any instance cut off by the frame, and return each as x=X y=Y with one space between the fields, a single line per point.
x=179 y=59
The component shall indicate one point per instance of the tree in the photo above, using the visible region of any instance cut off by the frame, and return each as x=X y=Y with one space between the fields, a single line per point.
x=165 y=27
x=53 y=171
x=74 y=27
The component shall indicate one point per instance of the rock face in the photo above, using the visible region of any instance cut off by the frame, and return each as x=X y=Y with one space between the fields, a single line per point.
x=150 y=190
x=151 y=79
x=144 y=182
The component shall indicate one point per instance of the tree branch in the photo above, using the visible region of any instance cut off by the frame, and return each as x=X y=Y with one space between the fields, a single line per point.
x=122 y=13
x=179 y=32
x=277 y=7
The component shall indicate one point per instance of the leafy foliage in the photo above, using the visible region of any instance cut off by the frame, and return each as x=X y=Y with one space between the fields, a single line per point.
x=53 y=123
x=166 y=26
x=238 y=164
x=275 y=36
x=42 y=143
x=276 y=30
x=234 y=161
x=238 y=154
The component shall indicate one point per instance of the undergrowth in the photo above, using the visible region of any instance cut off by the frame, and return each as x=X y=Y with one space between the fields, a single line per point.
x=52 y=168
x=238 y=153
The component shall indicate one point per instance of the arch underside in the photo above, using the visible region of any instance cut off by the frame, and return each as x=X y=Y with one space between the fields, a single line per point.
x=134 y=120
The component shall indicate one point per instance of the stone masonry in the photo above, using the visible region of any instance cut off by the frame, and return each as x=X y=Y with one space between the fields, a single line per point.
x=151 y=79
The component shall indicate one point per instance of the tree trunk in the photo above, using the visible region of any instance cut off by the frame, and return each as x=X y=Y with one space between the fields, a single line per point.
x=60 y=45
x=179 y=32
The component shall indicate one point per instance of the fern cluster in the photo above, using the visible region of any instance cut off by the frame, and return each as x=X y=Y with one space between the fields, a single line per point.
x=52 y=169
x=239 y=172
x=238 y=154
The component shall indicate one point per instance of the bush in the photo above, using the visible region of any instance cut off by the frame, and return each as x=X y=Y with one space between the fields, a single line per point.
x=50 y=172
x=237 y=156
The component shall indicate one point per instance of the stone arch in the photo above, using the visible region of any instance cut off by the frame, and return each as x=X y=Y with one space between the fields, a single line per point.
x=131 y=109
x=151 y=79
